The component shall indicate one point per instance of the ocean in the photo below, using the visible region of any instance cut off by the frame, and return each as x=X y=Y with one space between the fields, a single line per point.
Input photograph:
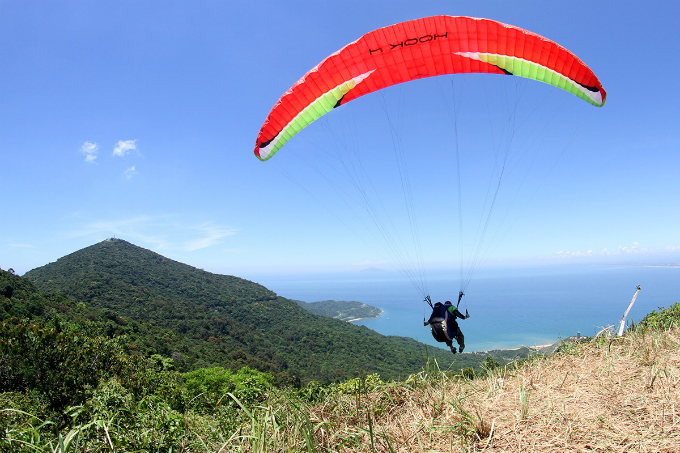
x=508 y=308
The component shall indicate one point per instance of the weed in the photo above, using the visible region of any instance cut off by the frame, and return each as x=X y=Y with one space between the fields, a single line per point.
x=523 y=402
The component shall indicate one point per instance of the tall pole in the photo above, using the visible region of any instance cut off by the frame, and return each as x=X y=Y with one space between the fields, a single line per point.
x=622 y=324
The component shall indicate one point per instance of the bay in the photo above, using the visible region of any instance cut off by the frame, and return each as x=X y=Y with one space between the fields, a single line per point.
x=508 y=307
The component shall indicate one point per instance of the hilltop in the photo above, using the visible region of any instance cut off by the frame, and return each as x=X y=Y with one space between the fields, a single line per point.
x=209 y=319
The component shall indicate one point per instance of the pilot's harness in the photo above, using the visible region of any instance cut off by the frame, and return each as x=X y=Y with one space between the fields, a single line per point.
x=444 y=321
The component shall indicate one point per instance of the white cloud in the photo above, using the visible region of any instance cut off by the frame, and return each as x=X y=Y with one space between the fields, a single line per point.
x=23 y=246
x=130 y=172
x=123 y=147
x=162 y=232
x=621 y=250
x=588 y=253
x=90 y=150
x=211 y=235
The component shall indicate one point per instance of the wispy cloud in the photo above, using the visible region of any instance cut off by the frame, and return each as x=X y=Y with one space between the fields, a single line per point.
x=134 y=228
x=621 y=250
x=130 y=172
x=124 y=147
x=159 y=232
x=211 y=235
x=90 y=150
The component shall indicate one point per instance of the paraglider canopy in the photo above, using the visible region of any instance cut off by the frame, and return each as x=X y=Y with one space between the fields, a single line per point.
x=421 y=48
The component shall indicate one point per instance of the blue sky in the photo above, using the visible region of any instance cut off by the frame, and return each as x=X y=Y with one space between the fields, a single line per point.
x=137 y=119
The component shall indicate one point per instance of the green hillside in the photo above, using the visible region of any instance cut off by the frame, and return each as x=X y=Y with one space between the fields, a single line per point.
x=24 y=304
x=201 y=319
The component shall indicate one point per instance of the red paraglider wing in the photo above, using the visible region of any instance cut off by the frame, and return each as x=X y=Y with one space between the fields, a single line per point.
x=420 y=48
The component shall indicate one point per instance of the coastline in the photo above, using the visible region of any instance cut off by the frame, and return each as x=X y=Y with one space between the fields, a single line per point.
x=541 y=348
x=538 y=346
x=370 y=317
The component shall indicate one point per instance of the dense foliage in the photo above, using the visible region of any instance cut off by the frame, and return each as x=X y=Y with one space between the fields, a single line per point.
x=69 y=392
x=64 y=368
x=344 y=310
x=23 y=300
x=200 y=319
x=664 y=319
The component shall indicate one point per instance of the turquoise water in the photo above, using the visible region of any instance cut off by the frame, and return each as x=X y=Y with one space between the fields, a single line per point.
x=508 y=308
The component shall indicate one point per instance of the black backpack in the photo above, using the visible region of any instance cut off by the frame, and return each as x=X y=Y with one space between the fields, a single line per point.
x=440 y=324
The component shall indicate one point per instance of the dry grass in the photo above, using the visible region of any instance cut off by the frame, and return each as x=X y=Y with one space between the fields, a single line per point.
x=618 y=395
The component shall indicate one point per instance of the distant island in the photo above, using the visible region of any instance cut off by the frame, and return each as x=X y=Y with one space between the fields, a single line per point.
x=344 y=310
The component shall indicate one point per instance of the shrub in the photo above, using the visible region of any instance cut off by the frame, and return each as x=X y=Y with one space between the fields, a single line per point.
x=62 y=366
x=207 y=388
x=361 y=385
x=314 y=392
x=490 y=364
x=65 y=367
x=662 y=320
x=468 y=373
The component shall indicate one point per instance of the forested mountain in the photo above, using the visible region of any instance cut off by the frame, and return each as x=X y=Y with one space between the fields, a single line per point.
x=198 y=318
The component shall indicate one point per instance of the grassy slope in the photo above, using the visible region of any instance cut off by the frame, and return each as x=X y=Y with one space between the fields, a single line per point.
x=618 y=395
